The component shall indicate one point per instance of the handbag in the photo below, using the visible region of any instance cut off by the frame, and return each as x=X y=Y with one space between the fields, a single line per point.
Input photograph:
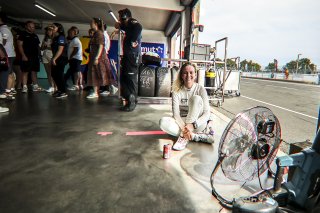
x=4 y=63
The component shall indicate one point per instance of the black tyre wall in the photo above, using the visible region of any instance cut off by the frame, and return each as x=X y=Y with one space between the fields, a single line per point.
x=163 y=82
x=147 y=78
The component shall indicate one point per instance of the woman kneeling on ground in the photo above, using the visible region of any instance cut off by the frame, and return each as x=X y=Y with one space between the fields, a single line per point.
x=191 y=119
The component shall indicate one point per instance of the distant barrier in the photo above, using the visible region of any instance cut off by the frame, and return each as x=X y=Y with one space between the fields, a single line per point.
x=308 y=78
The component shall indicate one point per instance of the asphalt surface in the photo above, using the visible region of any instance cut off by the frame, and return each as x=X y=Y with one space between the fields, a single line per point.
x=295 y=104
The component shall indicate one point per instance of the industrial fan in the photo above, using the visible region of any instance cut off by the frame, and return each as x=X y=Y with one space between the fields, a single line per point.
x=247 y=147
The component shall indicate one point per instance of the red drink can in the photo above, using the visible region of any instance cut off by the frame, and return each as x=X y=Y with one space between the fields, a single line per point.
x=166 y=151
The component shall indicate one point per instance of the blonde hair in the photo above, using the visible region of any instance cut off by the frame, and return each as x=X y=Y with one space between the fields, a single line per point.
x=178 y=83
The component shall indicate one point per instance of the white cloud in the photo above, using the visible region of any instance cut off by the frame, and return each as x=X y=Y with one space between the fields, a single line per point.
x=262 y=30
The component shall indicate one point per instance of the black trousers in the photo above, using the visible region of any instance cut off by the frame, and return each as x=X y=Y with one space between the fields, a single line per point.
x=74 y=67
x=129 y=75
x=57 y=72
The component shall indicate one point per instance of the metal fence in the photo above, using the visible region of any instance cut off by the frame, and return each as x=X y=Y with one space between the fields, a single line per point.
x=308 y=78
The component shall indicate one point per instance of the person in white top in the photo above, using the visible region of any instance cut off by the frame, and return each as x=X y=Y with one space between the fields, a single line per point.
x=74 y=56
x=191 y=119
x=106 y=39
x=47 y=56
x=7 y=41
x=112 y=88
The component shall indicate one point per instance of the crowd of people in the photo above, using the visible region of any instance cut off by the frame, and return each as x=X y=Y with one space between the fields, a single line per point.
x=24 y=52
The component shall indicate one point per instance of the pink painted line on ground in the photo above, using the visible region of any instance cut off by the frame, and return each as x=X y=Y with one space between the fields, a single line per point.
x=104 y=133
x=147 y=133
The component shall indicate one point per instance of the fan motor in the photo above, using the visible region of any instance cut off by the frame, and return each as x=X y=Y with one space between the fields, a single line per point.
x=260 y=149
x=266 y=126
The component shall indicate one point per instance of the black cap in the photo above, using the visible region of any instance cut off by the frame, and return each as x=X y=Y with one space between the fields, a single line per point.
x=124 y=14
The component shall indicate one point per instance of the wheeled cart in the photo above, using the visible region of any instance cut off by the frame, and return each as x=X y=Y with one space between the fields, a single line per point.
x=232 y=82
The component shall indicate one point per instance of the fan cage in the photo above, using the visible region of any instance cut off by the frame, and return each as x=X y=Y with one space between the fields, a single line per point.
x=237 y=142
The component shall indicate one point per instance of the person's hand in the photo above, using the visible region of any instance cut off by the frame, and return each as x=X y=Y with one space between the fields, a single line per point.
x=117 y=25
x=189 y=127
x=186 y=133
x=54 y=62
x=96 y=61
x=24 y=58
x=134 y=44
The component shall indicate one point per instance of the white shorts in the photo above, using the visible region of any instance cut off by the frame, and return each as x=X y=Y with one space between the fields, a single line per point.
x=46 y=56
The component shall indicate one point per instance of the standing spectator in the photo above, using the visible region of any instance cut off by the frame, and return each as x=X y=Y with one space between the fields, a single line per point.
x=17 y=61
x=85 y=60
x=112 y=88
x=131 y=58
x=28 y=44
x=74 y=56
x=47 y=56
x=59 y=59
x=106 y=39
x=98 y=74
x=7 y=42
x=286 y=73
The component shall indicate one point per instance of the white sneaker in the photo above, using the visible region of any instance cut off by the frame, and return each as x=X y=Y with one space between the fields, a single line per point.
x=180 y=144
x=62 y=95
x=13 y=91
x=202 y=137
x=113 y=90
x=50 y=90
x=92 y=96
x=3 y=96
x=36 y=88
x=4 y=109
x=25 y=89
x=105 y=93
x=73 y=88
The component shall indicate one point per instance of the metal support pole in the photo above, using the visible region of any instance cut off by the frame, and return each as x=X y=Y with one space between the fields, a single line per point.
x=119 y=61
x=225 y=66
x=225 y=62
x=298 y=63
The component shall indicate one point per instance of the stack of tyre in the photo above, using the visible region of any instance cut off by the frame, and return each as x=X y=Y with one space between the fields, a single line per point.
x=154 y=80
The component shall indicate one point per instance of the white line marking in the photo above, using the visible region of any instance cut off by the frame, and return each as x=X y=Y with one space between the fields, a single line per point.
x=299 y=113
x=249 y=83
x=281 y=82
x=269 y=85
x=281 y=87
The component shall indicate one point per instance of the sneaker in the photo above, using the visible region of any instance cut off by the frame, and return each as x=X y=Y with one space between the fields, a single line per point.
x=55 y=94
x=105 y=93
x=202 y=137
x=4 y=109
x=92 y=96
x=113 y=89
x=73 y=88
x=50 y=90
x=180 y=144
x=36 y=88
x=13 y=91
x=3 y=96
x=9 y=96
x=62 y=95
x=25 y=89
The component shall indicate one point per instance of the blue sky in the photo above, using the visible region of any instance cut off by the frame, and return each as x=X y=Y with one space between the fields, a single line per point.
x=263 y=30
